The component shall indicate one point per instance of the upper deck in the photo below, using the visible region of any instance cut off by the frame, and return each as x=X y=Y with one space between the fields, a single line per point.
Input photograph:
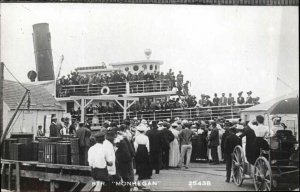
x=133 y=88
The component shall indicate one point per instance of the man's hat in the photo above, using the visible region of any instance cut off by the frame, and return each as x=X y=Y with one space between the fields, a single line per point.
x=174 y=125
x=166 y=124
x=100 y=134
x=239 y=93
x=233 y=129
x=207 y=96
x=202 y=95
x=249 y=92
x=53 y=118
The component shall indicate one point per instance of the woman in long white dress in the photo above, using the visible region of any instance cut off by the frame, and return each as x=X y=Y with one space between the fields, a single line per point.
x=221 y=132
x=174 y=154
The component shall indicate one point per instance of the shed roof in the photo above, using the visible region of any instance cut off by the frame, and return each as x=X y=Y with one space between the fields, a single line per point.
x=264 y=107
x=41 y=99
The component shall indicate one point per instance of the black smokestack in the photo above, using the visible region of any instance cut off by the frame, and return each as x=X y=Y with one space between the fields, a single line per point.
x=43 y=52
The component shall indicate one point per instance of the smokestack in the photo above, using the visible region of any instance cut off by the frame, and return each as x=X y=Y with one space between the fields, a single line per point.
x=43 y=52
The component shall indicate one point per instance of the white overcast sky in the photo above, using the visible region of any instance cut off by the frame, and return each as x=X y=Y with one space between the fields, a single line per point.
x=218 y=48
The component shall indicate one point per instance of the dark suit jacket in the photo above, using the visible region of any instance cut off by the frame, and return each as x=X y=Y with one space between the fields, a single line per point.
x=54 y=132
x=240 y=100
x=216 y=101
x=155 y=140
x=230 y=101
x=249 y=100
x=125 y=151
x=84 y=136
x=223 y=101
x=214 y=137
x=166 y=137
x=230 y=142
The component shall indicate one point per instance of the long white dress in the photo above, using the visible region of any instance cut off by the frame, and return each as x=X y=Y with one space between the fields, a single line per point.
x=221 y=132
x=174 y=154
x=209 y=150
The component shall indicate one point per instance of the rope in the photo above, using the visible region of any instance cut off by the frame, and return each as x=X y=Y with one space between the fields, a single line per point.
x=15 y=78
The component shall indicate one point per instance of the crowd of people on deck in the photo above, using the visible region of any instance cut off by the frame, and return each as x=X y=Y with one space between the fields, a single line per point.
x=115 y=150
x=174 y=103
x=75 y=78
x=151 y=80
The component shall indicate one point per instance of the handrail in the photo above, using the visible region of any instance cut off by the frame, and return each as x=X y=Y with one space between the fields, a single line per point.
x=115 y=87
x=193 y=113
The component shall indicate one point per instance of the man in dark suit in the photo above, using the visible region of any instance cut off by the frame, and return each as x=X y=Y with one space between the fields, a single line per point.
x=214 y=143
x=230 y=100
x=231 y=141
x=83 y=134
x=216 y=100
x=249 y=99
x=54 y=132
x=240 y=99
x=124 y=157
x=166 y=138
x=201 y=100
x=155 y=143
x=223 y=100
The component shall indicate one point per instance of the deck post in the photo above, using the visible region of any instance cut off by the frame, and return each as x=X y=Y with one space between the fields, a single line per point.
x=82 y=111
x=52 y=186
x=9 y=177
x=125 y=109
x=3 y=173
x=18 y=188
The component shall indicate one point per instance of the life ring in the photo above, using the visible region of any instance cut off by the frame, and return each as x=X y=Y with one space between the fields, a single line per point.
x=105 y=90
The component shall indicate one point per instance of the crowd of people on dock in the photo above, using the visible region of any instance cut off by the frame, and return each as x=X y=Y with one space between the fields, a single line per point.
x=115 y=150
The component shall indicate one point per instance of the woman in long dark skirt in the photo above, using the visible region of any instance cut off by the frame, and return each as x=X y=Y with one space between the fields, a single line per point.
x=251 y=152
x=141 y=145
x=202 y=135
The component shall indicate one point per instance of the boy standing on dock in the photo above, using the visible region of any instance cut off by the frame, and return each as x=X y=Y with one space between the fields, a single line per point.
x=83 y=134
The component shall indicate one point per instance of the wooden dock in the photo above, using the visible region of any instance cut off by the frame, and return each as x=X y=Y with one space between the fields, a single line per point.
x=12 y=171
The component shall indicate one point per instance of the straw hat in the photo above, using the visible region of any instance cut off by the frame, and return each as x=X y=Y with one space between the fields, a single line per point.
x=174 y=125
x=141 y=128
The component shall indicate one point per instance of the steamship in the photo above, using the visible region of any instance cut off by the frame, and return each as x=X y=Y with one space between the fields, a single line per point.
x=52 y=164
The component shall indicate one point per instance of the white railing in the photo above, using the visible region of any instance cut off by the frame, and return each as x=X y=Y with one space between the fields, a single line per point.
x=116 y=88
x=196 y=113
x=149 y=86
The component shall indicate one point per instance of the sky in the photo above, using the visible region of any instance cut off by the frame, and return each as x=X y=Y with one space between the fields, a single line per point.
x=218 y=48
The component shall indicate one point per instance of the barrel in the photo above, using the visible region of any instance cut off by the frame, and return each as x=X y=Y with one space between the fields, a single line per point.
x=27 y=148
x=18 y=151
x=55 y=139
x=74 y=151
x=41 y=149
x=7 y=148
x=63 y=152
x=35 y=150
x=10 y=143
x=50 y=152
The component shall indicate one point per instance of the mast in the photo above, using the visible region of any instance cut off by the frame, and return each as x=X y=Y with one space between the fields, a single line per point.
x=1 y=97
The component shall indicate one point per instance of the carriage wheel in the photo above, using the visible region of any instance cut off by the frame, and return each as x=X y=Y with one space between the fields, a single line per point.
x=238 y=164
x=262 y=175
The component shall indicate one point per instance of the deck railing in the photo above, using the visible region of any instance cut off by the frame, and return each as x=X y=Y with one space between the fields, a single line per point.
x=196 y=113
x=115 y=88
